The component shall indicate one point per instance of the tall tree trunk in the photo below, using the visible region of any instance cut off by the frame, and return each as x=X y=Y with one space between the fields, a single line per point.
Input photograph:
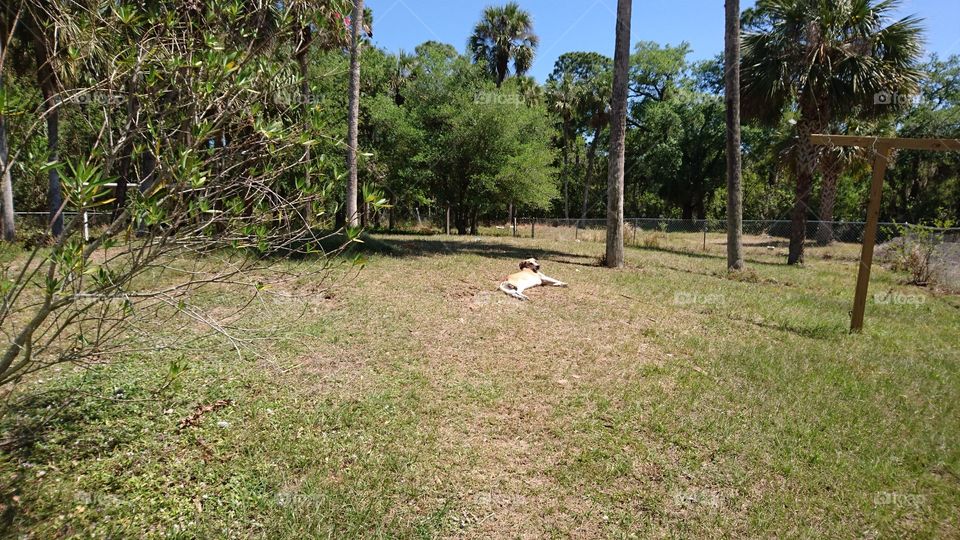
x=618 y=128
x=734 y=178
x=6 y=181
x=566 y=172
x=503 y=63
x=46 y=78
x=356 y=23
x=461 y=220
x=510 y=214
x=54 y=194
x=831 y=169
x=588 y=178
x=6 y=185
x=806 y=165
x=306 y=38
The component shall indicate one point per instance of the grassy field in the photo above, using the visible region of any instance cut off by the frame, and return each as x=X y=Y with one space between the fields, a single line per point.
x=666 y=399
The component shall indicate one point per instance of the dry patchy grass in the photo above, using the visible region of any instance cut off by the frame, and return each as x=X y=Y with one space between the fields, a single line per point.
x=665 y=399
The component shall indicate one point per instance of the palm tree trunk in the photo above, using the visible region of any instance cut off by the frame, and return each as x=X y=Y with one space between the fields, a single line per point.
x=566 y=175
x=351 y=203
x=588 y=178
x=6 y=185
x=734 y=180
x=806 y=165
x=828 y=197
x=618 y=128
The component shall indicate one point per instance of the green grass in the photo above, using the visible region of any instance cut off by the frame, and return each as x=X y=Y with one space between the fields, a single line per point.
x=665 y=399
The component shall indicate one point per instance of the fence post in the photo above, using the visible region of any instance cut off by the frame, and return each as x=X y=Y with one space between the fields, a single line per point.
x=514 y=227
x=533 y=224
x=704 y=234
x=635 y=223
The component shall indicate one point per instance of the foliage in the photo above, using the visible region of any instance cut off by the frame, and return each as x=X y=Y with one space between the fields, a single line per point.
x=914 y=249
x=218 y=172
x=504 y=33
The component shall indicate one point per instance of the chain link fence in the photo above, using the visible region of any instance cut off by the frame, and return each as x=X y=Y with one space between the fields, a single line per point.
x=30 y=224
x=639 y=230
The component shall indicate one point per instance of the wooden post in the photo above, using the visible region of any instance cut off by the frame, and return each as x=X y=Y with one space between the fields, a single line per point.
x=533 y=231
x=446 y=229
x=880 y=160
x=704 y=234
x=514 y=227
x=882 y=147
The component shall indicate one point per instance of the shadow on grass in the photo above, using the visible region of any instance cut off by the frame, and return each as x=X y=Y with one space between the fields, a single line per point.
x=26 y=426
x=420 y=247
x=819 y=331
x=700 y=255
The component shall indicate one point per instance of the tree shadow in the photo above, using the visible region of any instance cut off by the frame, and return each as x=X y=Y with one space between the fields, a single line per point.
x=429 y=246
x=34 y=425
x=696 y=255
x=821 y=331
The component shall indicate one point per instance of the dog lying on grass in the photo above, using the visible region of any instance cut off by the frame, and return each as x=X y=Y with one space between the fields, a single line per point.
x=528 y=277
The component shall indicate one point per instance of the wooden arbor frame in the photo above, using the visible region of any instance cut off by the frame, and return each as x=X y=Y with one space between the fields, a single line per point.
x=881 y=148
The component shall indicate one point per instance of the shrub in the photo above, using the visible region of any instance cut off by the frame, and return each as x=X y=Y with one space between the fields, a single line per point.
x=914 y=252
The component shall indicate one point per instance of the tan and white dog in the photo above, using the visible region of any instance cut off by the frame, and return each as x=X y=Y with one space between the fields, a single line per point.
x=528 y=277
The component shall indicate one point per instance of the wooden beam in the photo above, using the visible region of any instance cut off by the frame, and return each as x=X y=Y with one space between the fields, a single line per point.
x=869 y=236
x=886 y=142
x=881 y=146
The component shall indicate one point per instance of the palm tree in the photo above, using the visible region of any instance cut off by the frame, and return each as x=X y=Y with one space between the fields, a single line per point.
x=734 y=180
x=562 y=97
x=353 y=218
x=504 y=34
x=595 y=105
x=826 y=59
x=401 y=75
x=833 y=163
x=618 y=128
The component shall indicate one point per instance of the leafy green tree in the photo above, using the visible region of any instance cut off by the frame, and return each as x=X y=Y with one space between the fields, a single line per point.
x=825 y=59
x=563 y=98
x=504 y=34
x=589 y=78
x=676 y=146
x=925 y=186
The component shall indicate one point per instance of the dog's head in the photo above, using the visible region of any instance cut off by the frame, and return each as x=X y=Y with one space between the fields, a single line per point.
x=530 y=263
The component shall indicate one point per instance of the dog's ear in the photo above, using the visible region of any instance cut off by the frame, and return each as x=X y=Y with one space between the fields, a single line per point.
x=524 y=264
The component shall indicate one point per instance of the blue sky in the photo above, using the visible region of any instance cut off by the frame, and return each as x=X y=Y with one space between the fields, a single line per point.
x=587 y=25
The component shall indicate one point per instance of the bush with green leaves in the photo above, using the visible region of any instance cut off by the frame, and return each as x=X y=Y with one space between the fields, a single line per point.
x=214 y=177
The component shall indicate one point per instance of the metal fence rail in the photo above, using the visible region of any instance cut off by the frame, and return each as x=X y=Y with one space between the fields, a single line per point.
x=38 y=222
x=589 y=229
